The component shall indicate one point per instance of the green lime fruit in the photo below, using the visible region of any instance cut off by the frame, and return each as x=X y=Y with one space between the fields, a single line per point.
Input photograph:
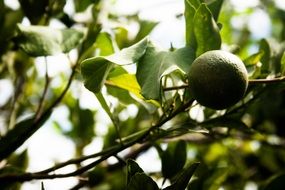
x=218 y=79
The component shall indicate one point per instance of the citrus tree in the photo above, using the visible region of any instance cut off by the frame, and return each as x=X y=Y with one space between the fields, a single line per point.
x=213 y=110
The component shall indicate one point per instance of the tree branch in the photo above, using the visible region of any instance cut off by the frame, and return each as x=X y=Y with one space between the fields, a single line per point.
x=112 y=152
x=266 y=81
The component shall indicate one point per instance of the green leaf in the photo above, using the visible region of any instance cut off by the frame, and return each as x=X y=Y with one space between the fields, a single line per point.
x=155 y=64
x=44 y=41
x=34 y=9
x=215 y=181
x=127 y=82
x=83 y=122
x=189 y=13
x=132 y=169
x=19 y=134
x=81 y=5
x=146 y=27
x=105 y=44
x=8 y=184
x=184 y=178
x=140 y=181
x=96 y=176
x=277 y=182
x=173 y=158
x=95 y=70
x=215 y=7
x=283 y=64
x=265 y=60
x=254 y=58
x=206 y=30
x=20 y=160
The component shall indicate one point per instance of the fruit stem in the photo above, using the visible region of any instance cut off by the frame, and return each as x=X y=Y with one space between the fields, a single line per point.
x=266 y=81
x=175 y=87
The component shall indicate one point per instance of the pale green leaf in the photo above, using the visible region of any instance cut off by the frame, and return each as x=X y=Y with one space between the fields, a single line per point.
x=155 y=64
x=206 y=30
x=44 y=41
x=127 y=82
x=254 y=58
x=95 y=70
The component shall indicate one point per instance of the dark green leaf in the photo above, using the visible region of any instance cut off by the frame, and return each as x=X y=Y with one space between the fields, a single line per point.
x=34 y=9
x=10 y=185
x=96 y=176
x=81 y=5
x=184 y=178
x=8 y=24
x=83 y=122
x=155 y=64
x=189 y=13
x=276 y=182
x=215 y=7
x=141 y=181
x=206 y=30
x=132 y=169
x=173 y=158
x=44 y=41
x=19 y=160
x=283 y=64
x=265 y=60
x=216 y=180
x=95 y=70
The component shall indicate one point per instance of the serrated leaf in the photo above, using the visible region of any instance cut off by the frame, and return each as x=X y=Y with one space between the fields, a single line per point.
x=206 y=30
x=132 y=169
x=44 y=41
x=95 y=70
x=184 y=178
x=140 y=181
x=173 y=158
x=277 y=182
x=155 y=64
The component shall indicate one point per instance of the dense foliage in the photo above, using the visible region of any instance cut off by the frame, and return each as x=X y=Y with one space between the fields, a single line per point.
x=151 y=107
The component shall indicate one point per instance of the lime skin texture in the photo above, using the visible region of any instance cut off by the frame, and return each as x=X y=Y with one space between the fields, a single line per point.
x=218 y=79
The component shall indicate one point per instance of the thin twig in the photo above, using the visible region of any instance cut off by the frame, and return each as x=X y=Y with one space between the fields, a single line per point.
x=251 y=82
x=47 y=81
x=77 y=160
x=175 y=87
x=266 y=81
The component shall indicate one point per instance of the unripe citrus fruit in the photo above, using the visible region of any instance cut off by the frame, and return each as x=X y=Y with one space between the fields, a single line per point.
x=218 y=79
